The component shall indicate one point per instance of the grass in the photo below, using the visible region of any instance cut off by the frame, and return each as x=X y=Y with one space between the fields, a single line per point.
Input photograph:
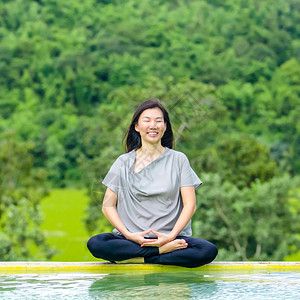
x=64 y=227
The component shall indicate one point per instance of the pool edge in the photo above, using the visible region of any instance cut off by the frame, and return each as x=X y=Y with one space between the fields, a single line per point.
x=105 y=266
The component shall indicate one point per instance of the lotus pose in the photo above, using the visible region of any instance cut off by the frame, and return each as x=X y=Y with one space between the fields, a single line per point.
x=150 y=198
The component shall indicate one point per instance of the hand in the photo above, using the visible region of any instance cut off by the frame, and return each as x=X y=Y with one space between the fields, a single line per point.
x=162 y=239
x=139 y=237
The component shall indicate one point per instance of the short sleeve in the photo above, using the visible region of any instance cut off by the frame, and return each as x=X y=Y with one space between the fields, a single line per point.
x=188 y=177
x=112 y=178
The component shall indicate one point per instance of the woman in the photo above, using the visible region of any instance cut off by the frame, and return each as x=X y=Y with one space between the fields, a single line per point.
x=150 y=198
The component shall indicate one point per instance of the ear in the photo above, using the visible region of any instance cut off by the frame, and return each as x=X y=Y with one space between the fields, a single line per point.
x=136 y=127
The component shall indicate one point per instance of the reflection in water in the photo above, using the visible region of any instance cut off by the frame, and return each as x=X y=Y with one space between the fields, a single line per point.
x=164 y=284
x=175 y=284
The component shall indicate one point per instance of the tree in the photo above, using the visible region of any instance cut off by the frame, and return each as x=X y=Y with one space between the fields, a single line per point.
x=21 y=189
x=253 y=223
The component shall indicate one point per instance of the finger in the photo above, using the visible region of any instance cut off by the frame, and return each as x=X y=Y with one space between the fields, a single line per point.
x=154 y=232
x=150 y=243
x=146 y=231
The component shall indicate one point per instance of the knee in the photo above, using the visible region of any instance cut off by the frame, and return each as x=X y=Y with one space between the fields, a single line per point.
x=206 y=255
x=212 y=253
x=95 y=244
x=92 y=244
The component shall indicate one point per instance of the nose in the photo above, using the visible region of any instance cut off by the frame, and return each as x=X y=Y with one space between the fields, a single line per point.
x=153 y=124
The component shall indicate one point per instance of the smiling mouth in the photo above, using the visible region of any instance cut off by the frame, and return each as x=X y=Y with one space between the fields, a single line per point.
x=152 y=133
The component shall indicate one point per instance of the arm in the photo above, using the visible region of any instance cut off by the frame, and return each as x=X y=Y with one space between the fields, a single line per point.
x=110 y=212
x=189 y=207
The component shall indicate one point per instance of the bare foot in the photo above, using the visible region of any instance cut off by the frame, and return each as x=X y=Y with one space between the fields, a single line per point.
x=172 y=246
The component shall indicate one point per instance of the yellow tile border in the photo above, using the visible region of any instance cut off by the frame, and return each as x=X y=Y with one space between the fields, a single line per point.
x=104 y=266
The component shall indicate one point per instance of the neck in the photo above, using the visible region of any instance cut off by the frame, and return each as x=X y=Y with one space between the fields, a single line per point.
x=151 y=150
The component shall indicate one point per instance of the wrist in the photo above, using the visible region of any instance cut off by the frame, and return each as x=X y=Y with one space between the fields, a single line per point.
x=127 y=235
x=172 y=236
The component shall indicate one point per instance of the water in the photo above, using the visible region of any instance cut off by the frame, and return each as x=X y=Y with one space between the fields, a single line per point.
x=186 y=284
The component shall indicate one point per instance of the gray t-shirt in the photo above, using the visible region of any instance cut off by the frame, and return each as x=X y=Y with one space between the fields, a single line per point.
x=150 y=198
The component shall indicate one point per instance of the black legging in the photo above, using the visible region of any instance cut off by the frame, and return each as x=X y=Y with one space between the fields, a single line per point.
x=113 y=247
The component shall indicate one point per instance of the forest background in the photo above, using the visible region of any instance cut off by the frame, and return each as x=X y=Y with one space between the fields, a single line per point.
x=73 y=72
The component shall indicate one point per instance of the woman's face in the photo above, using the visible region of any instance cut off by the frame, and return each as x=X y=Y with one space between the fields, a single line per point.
x=151 y=125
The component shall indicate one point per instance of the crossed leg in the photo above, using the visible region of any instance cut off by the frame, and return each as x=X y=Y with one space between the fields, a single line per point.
x=114 y=247
x=198 y=253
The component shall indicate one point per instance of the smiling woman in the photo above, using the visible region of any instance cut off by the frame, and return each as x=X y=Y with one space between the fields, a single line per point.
x=150 y=198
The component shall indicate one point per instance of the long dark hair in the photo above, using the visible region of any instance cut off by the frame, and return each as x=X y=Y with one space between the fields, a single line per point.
x=133 y=138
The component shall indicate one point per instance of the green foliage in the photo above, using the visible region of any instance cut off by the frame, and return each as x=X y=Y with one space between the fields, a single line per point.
x=21 y=189
x=254 y=223
x=239 y=159
x=72 y=73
